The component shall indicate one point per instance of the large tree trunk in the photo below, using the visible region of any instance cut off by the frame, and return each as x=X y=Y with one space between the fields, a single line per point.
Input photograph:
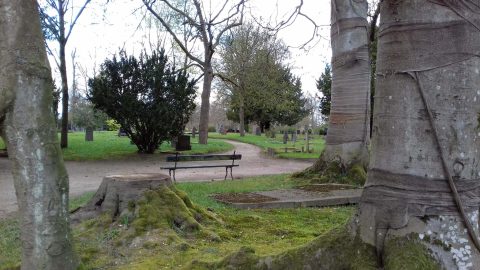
x=348 y=130
x=40 y=178
x=205 y=106
x=426 y=129
x=63 y=74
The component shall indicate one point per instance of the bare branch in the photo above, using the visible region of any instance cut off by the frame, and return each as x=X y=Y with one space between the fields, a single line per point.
x=76 y=18
x=230 y=26
x=219 y=12
x=49 y=50
x=170 y=31
x=190 y=20
x=226 y=79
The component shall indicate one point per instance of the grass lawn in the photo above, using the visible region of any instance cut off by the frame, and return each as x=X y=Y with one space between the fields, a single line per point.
x=317 y=144
x=107 y=145
x=267 y=231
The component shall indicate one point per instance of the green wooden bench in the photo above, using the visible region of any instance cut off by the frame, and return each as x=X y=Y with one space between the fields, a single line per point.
x=201 y=158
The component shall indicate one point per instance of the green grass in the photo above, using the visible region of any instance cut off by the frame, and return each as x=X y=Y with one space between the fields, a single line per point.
x=317 y=144
x=107 y=145
x=199 y=192
x=268 y=231
x=10 y=248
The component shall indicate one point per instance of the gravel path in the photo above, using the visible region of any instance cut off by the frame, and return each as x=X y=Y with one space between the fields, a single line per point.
x=87 y=175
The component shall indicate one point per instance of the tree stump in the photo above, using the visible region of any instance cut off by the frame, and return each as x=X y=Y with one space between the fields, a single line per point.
x=117 y=193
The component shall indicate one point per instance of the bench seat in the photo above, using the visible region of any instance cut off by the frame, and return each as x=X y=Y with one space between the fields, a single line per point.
x=201 y=158
x=199 y=166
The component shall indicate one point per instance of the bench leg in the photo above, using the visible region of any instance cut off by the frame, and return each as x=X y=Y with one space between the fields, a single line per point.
x=231 y=174
x=226 y=173
x=170 y=174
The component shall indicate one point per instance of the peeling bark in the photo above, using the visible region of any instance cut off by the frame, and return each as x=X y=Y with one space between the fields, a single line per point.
x=40 y=178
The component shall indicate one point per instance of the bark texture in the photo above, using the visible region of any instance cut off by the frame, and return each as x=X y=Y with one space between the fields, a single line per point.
x=117 y=195
x=41 y=181
x=348 y=130
x=205 y=104
x=428 y=48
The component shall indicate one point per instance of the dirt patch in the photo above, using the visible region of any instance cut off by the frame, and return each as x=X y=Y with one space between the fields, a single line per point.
x=326 y=187
x=242 y=198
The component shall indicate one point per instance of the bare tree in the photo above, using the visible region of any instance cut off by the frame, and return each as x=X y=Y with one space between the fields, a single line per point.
x=57 y=27
x=27 y=125
x=210 y=25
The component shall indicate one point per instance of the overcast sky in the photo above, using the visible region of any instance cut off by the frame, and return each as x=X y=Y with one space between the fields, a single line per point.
x=100 y=32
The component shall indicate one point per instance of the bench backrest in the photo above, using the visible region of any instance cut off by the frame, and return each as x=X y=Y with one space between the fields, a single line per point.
x=180 y=158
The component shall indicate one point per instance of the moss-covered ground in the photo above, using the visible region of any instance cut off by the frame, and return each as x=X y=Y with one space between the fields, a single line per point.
x=333 y=172
x=221 y=230
x=317 y=144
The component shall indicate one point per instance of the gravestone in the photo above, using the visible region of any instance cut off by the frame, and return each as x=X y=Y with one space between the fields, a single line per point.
x=298 y=131
x=89 y=134
x=258 y=131
x=294 y=137
x=194 y=132
x=121 y=132
x=222 y=130
x=183 y=143
x=285 y=137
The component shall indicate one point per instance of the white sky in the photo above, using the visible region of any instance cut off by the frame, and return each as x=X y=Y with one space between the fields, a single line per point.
x=100 y=32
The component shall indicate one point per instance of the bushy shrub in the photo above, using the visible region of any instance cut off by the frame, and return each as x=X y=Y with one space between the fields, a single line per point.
x=148 y=97
x=112 y=125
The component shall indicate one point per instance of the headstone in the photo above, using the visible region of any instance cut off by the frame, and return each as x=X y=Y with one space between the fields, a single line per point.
x=194 y=132
x=121 y=132
x=89 y=134
x=258 y=131
x=222 y=130
x=294 y=137
x=183 y=143
x=285 y=137
x=298 y=131
x=173 y=142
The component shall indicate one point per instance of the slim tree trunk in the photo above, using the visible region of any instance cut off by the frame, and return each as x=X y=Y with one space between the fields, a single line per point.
x=40 y=178
x=241 y=113
x=425 y=134
x=205 y=106
x=348 y=130
x=63 y=75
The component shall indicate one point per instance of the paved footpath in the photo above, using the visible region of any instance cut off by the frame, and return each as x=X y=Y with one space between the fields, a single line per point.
x=87 y=175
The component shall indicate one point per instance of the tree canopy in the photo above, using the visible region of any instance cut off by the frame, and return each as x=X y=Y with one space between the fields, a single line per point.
x=258 y=81
x=324 y=86
x=148 y=97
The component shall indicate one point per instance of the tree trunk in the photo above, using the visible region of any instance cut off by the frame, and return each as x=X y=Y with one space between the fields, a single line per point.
x=40 y=178
x=426 y=130
x=241 y=117
x=63 y=74
x=348 y=130
x=205 y=106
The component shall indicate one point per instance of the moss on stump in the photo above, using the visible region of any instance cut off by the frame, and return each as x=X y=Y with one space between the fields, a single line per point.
x=334 y=171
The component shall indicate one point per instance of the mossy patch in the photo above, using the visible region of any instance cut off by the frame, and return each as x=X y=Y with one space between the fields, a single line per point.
x=408 y=253
x=337 y=249
x=334 y=171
